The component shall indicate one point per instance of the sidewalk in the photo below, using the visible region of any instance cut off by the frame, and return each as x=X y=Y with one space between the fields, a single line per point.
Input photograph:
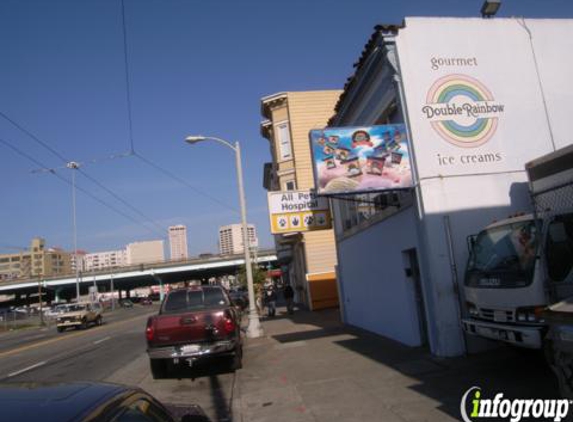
x=310 y=367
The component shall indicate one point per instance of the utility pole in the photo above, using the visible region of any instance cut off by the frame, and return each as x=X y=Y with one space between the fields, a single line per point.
x=72 y=165
x=40 y=301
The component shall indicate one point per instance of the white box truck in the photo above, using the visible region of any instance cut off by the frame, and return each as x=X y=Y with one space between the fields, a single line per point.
x=520 y=265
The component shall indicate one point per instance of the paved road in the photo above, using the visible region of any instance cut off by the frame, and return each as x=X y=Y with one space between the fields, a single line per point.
x=12 y=339
x=113 y=352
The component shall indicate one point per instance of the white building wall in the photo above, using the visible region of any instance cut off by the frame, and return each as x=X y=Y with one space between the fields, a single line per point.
x=106 y=259
x=376 y=293
x=145 y=252
x=472 y=179
x=231 y=238
x=178 y=242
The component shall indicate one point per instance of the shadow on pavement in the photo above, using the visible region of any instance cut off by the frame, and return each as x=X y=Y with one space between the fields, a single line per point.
x=209 y=369
x=514 y=372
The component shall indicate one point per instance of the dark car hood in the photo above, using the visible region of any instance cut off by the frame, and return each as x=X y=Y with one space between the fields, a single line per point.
x=64 y=402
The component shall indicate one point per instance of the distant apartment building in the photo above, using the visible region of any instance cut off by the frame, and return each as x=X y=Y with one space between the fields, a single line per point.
x=108 y=259
x=231 y=238
x=178 y=242
x=308 y=259
x=145 y=252
x=79 y=257
x=37 y=261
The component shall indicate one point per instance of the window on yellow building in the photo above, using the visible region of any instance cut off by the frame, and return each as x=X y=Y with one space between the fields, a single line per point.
x=283 y=135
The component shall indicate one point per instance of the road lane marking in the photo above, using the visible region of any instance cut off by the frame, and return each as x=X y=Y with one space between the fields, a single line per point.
x=101 y=340
x=29 y=368
x=69 y=336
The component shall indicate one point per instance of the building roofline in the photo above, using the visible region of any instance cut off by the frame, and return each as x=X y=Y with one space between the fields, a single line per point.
x=266 y=126
x=270 y=99
x=380 y=32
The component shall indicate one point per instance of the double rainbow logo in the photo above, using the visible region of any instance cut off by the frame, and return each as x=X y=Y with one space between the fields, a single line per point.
x=462 y=110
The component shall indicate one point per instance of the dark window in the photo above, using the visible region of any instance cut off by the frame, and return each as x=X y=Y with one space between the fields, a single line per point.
x=195 y=299
x=560 y=247
x=214 y=297
x=176 y=301
x=208 y=297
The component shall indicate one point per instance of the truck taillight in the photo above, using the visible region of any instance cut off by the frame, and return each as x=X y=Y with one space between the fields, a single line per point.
x=229 y=325
x=149 y=330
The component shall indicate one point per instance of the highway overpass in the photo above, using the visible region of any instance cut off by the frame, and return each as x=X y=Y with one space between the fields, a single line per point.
x=141 y=275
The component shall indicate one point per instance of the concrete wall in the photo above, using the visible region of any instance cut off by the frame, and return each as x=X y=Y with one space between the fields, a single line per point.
x=376 y=293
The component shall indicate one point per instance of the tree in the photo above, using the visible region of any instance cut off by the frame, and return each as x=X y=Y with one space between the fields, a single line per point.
x=259 y=276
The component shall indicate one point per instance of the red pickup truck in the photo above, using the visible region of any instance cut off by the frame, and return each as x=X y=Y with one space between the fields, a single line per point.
x=193 y=323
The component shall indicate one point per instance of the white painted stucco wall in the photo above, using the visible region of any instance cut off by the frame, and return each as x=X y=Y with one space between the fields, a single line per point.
x=377 y=296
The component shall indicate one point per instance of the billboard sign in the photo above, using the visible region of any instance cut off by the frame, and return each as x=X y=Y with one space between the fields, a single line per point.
x=298 y=211
x=360 y=159
x=471 y=110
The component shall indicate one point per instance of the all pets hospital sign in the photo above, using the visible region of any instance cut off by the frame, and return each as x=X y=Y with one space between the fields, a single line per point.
x=298 y=211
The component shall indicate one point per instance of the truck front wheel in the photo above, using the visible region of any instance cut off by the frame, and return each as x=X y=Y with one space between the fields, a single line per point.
x=158 y=368
x=562 y=365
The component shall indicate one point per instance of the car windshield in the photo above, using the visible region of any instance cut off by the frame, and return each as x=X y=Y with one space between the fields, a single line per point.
x=74 y=308
x=508 y=248
x=207 y=297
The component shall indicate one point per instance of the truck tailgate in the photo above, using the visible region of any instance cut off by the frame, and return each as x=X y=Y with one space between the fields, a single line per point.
x=190 y=327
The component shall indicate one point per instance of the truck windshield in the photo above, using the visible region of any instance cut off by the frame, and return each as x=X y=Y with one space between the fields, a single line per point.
x=503 y=256
x=186 y=300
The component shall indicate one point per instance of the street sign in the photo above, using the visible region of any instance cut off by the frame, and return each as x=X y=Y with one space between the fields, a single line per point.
x=298 y=211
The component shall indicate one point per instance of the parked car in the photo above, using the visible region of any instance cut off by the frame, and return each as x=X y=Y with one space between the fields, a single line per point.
x=126 y=303
x=84 y=401
x=194 y=323
x=146 y=301
x=79 y=315
x=240 y=298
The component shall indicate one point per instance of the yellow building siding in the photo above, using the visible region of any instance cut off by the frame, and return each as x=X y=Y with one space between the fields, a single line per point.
x=308 y=110
x=315 y=255
x=320 y=251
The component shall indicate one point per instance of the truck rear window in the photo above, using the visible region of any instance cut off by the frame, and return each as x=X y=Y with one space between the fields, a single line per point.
x=186 y=300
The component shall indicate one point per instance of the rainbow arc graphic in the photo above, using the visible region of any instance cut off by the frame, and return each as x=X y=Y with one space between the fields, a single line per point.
x=465 y=135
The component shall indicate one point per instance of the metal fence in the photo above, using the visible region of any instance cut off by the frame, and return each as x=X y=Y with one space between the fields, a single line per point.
x=553 y=200
x=13 y=320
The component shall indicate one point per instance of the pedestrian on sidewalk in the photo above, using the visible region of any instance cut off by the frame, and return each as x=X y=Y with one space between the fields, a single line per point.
x=288 y=294
x=271 y=300
x=259 y=299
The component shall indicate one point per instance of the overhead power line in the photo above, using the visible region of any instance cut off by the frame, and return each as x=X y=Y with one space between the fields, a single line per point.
x=84 y=191
x=84 y=173
x=130 y=124
x=183 y=181
x=124 y=202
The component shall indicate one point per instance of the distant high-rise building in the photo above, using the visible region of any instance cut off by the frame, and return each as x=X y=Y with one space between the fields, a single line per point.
x=178 y=242
x=145 y=252
x=107 y=259
x=231 y=238
x=80 y=255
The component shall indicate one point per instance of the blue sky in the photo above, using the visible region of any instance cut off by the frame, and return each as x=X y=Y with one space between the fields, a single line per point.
x=195 y=67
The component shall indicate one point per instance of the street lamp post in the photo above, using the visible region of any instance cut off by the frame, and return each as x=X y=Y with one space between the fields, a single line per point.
x=72 y=165
x=254 y=328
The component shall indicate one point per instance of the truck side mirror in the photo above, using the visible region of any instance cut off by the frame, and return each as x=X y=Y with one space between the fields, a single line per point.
x=471 y=241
